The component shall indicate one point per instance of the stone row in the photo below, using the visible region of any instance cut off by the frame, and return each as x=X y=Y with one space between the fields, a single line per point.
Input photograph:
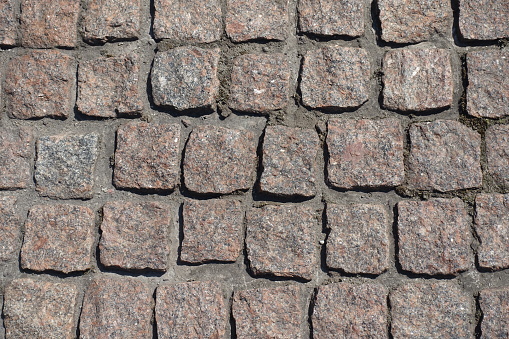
x=123 y=308
x=56 y=23
x=42 y=83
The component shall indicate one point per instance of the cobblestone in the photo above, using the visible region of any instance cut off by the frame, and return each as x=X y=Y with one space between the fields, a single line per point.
x=497 y=143
x=483 y=19
x=495 y=308
x=10 y=229
x=16 y=152
x=8 y=23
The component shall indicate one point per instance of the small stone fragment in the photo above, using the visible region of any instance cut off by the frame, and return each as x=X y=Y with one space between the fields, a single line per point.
x=444 y=156
x=289 y=161
x=332 y=17
x=344 y=310
x=16 y=152
x=147 y=156
x=116 y=308
x=111 y=20
x=280 y=241
x=268 y=313
x=484 y=19
x=186 y=78
x=188 y=20
x=135 y=235
x=8 y=23
x=10 y=229
x=40 y=309
x=365 y=153
x=335 y=77
x=434 y=236
x=108 y=87
x=497 y=143
x=58 y=237
x=495 y=309
x=212 y=230
x=40 y=84
x=260 y=83
x=431 y=310
x=417 y=79
x=219 y=160
x=261 y=19
x=65 y=166
x=191 y=310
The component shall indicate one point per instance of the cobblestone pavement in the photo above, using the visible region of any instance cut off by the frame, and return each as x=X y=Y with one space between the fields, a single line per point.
x=254 y=169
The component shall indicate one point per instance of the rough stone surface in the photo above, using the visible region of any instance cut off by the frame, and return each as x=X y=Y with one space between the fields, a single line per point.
x=495 y=308
x=411 y=21
x=116 y=308
x=280 y=241
x=344 y=310
x=417 y=79
x=111 y=20
x=268 y=313
x=219 y=160
x=188 y=20
x=191 y=310
x=359 y=238
x=434 y=236
x=108 y=87
x=10 y=229
x=40 y=84
x=262 y=19
x=260 y=82
x=331 y=17
x=49 y=23
x=16 y=152
x=185 y=78
x=492 y=228
x=147 y=156
x=212 y=230
x=365 y=153
x=335 y=77
x=431 y=310
x=289 y=161
x=135 y=235
x=40 y=309
x=59 y=238
x=8 y=23
x=497 y=152
x=484 y=19
x=444 y=156
x=65 y=165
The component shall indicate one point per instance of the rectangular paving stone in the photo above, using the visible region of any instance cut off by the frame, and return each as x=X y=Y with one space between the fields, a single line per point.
x=111 y=20
x=219 y=160
x=186 y=78
x=365 y=153
x=431 y=310
x=49 y=23
x=116 y=308
x=212 y=230
x=252 y=20
x=434 y=236
x=40 y=84
x=193 y=310
x=417 y=79
x=343 y=310
x=497 y=143
x=358 y=241
x=135 y=235
x=335 y=77
x=331 y=17
x=16 y=152
x=289 y=163
x=188 y=20
x=59 y=238
x=40 y=309
x=108 y=87
x=281 y=241
x=413 y=21
x=268 y=312
x=10 y=229
x=484 y=19
x=8 y=23
x=65 y=166
x=495 y=309
x=260 y=83
x=492 y=228
x=444 y=156
x=147 y=156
